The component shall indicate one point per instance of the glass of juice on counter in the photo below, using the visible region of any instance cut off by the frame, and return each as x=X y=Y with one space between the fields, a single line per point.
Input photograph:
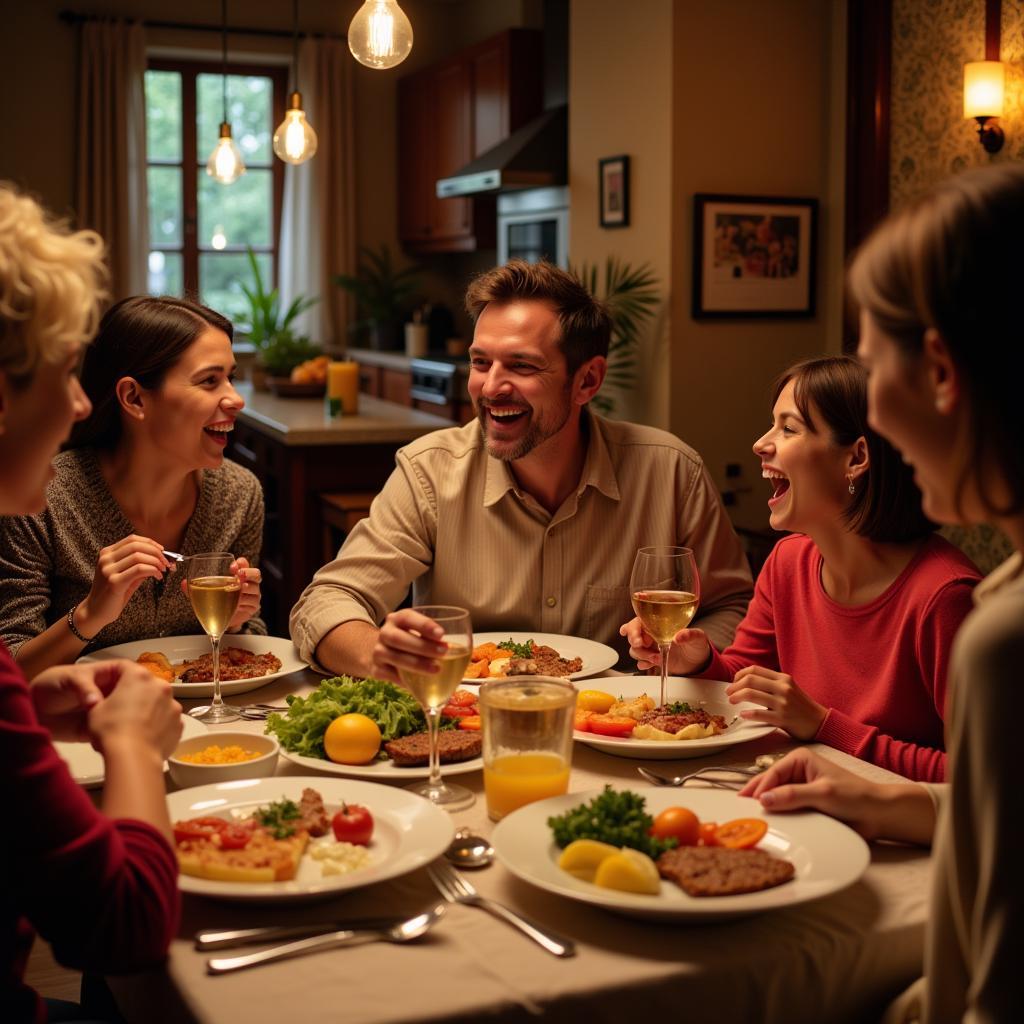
x=214 y=591
x=527 y=740
x=666 y=592
x=432 y=690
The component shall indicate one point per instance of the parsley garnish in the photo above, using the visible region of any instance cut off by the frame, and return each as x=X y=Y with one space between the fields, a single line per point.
x=679 y=707
x=277 y=816
x=611 y=817
x=524 y=650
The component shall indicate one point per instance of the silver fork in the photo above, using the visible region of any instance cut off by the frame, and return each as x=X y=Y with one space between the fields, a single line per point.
x=455 y=889
x=761 y=763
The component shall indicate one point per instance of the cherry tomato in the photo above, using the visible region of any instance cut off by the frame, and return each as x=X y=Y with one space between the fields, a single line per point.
x=581 y=720
x=198 y=828
x=678 y=822
x=706 y=833
x=612 y=725
x=471 y=722
x=463 y=698
x=457 y=711
x=742 y=833
x=234 y=837
x=353 y=824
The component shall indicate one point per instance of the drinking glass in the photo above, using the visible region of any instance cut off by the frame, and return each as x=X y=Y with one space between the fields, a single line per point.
x=214 y=592
x=432 y=690
x=666 y=592
x=527 y=738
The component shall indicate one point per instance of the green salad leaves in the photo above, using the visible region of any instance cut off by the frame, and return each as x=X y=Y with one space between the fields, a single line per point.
x=301 y=728
x=611 y=817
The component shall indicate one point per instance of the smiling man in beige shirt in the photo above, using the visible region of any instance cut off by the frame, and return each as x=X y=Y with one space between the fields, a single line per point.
x=531 y=515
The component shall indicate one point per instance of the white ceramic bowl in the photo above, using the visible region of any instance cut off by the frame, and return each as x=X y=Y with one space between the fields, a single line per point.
x=187 y=774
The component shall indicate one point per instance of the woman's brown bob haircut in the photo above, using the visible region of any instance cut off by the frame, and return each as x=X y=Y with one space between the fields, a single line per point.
x=831 y=394
x=953 y=262
x=585 y=322
x=142 y=338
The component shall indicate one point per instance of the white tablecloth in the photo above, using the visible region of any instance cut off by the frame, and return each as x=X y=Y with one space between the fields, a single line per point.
x=839 y=959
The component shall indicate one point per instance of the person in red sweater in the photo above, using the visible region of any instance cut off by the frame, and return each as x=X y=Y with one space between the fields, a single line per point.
x=848 y=636
x=101 y=887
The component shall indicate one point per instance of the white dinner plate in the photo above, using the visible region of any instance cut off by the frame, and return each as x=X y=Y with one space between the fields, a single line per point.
x=187 y=648
x=596 y=657
x=380 y=769
x=827 y=855
x=86 y=764
x=408 y=832
x=708 y=694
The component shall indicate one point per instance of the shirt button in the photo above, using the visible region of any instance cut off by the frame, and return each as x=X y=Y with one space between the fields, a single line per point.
x=552 y=601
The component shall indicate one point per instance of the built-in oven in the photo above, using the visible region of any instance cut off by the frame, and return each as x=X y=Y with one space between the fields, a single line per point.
x=533 y=225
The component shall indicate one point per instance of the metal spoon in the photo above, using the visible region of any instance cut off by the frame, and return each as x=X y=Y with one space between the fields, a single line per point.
x=404 y=932
x=761 y=763
x=469 y=851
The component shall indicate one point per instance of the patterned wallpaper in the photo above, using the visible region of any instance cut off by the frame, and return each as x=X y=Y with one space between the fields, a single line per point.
x=932 y=40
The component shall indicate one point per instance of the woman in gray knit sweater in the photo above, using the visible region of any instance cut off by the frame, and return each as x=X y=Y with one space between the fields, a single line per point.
x=144 y=474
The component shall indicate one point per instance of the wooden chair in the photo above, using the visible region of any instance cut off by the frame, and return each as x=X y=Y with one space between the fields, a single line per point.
x=338 y=514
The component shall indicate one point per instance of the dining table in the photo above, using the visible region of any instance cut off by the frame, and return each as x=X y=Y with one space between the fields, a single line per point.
x=839 y=958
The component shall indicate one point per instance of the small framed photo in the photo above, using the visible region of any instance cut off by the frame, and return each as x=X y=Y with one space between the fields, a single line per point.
x=613 y=174
x=753 y=256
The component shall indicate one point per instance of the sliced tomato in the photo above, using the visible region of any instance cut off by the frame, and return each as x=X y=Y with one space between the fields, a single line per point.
x=457 y=711
x=235 y=837
x=612 y=725
x=581 y=720
x=742 y=833
x=471 y=722
x=463 y=698
x=198 y=828
x=707 y=836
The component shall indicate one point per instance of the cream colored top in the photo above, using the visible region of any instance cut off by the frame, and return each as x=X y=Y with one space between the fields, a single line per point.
x=452 y=522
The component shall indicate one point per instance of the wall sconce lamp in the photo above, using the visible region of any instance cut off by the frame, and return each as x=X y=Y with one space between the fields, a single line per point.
x=983 y=100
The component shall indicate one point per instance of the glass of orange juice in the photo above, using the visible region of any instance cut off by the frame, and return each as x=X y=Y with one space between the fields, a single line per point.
x=527 y=740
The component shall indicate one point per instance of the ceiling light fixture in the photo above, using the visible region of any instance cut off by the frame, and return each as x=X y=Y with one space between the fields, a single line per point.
x=380 y=34
x=294 y=140
x=225 y=164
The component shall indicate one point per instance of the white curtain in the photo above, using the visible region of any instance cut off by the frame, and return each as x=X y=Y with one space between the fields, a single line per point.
x=111 y=194
x=318 y=228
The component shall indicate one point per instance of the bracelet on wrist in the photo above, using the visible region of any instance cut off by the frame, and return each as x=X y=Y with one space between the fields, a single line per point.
x=74 y=629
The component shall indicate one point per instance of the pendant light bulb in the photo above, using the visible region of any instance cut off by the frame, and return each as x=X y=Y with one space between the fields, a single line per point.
x=294 y=140
x=225 y=164
x=380 y=34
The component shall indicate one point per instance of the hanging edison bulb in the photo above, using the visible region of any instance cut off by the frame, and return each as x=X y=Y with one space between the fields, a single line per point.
x=294 y=140
x=380 y=35
x=225 y=164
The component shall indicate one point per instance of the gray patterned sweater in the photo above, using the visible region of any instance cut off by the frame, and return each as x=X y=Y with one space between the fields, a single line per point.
x=47 y=561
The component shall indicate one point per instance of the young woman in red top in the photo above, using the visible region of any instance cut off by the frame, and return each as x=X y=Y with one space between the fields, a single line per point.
x=100 y=887
x=848 y=635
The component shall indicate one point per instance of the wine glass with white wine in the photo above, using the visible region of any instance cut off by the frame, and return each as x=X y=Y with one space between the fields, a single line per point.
x=214 y=591
x=665 y=589
x=432 y=690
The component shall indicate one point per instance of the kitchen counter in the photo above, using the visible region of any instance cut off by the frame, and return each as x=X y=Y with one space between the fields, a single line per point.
x=399 y=360
x=302 y=421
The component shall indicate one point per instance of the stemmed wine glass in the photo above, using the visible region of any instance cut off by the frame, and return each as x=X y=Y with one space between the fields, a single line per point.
x=214 y=591
x=666 y=592
x=432 y=690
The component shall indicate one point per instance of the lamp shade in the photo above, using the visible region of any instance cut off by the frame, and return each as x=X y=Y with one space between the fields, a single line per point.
x=983 y=88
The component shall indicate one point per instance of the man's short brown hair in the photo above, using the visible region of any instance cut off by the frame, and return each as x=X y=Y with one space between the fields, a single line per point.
x=586 y=325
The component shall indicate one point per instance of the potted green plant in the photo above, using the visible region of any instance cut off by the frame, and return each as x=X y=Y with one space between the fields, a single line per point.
x=383 y=294
x=631 y=295
x=269 y=327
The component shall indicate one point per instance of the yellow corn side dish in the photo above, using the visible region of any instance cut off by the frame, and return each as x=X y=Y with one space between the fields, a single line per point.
x=219 y=755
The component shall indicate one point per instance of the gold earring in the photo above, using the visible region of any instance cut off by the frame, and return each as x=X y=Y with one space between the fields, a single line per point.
x=853 y=490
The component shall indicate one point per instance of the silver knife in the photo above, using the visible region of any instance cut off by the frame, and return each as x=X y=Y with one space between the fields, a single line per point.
x=226 y=938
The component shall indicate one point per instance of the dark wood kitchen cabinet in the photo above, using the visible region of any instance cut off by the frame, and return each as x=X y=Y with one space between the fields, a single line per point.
x=449 y=114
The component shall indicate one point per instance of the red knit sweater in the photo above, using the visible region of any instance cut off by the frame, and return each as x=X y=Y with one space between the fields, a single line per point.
x=880 y=668
x=102 y=892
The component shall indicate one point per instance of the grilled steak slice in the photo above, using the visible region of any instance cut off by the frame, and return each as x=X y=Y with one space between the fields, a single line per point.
x=662 y=719
x=454 y=745
x=313 y=812
x=718 y=871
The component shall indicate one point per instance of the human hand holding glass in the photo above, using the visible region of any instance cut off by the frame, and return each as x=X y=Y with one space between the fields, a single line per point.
x=432 y=690
x=214 y=591
x=665 y=589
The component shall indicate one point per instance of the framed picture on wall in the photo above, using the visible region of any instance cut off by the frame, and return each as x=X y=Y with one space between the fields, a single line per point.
x=613 y=178
x=753 y=256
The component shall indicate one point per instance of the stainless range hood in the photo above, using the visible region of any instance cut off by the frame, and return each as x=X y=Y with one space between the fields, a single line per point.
x=533 y=156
